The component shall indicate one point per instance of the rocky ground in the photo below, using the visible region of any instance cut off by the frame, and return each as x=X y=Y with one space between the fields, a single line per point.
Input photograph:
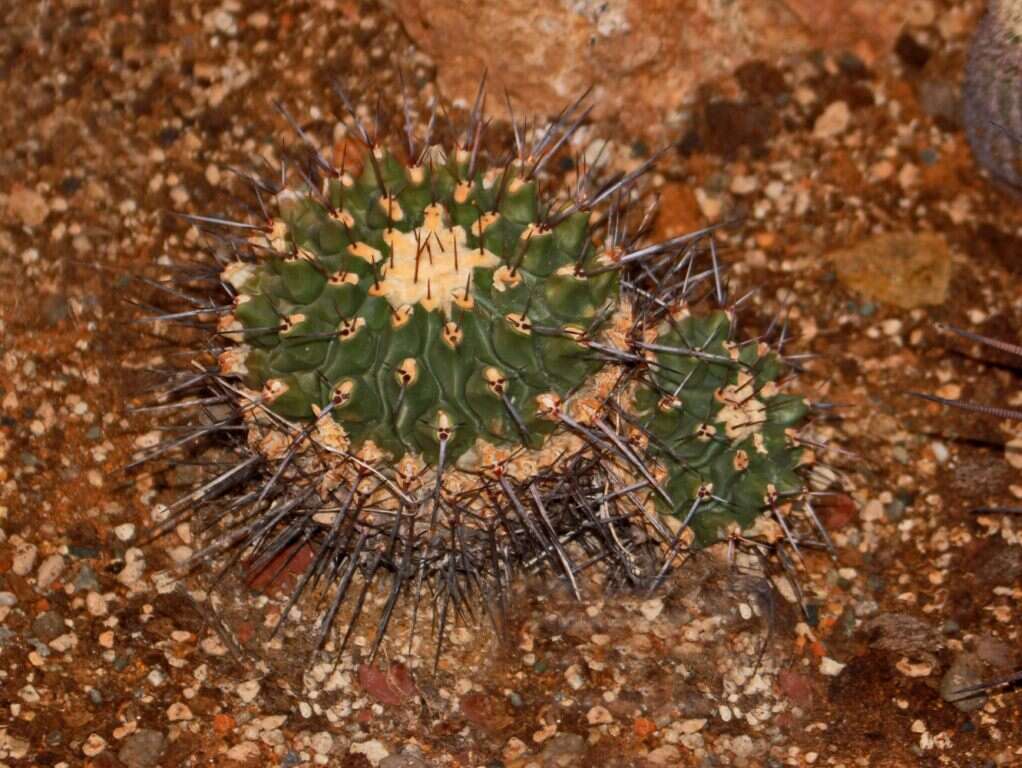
x=862 y=213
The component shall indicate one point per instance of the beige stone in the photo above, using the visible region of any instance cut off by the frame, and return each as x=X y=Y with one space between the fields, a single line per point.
x=903 y=269
x=644 y=58
x=832 y=121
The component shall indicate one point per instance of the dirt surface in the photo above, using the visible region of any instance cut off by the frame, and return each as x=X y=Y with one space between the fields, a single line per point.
x=117 y=112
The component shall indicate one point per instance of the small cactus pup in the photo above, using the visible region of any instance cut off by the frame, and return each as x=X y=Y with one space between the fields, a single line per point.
x=992 y=96
x=426 y=310
x=442 y=366
x=719 y=424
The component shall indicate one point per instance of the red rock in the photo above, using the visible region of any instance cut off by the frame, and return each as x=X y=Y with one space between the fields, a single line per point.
x=245 y=631
x=850 y=557
x=842 y=171
x=786 y=721
x=486 y=711
x=223 y=724
x=679 y=212
x=20 y=587
x=645 y=58
x=905 y=269
x=348 y=154
x=836 y=511
x=393 y=686
x=797 y=687
x=839 y=24
x=282 y=572
x=643 y=727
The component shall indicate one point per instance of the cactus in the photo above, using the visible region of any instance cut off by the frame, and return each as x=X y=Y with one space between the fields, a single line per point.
x=442 y=374
x=991 y=100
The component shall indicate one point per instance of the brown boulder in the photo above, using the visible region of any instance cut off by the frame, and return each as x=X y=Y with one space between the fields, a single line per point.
x=644 y=58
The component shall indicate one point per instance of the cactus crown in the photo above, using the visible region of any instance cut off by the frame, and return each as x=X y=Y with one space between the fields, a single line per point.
x=422 y=305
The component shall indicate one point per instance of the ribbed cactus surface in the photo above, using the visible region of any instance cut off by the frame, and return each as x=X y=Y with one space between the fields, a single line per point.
x=718 y=424
x=992 y=97
x=425 y=304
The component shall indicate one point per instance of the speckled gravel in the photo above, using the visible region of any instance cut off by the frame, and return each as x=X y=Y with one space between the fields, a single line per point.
x=117 y=112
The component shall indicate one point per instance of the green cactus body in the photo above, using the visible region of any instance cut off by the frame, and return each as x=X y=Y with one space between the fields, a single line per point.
x=439 y=322
x=719 y=425
x=422 y=307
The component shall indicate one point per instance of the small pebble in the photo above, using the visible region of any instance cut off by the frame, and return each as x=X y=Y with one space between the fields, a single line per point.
x=258 y=20
x=27 y=205
x=652 y=608
x=920 y=13
x=744 y=185
x=830 y=667
x=48 y=626
x=142 y=749
x=134 y=567
x=95 y=604
x=665 y=755
x=693 y=726
x=404 y=760
x=322 y=742
x=832 y=121
x=573 y=675
x=243 y=752
x=49 y=571
x=24 y=559
x=373 y=750
x=93 y=745
x=248 y=690
x=179 y=711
